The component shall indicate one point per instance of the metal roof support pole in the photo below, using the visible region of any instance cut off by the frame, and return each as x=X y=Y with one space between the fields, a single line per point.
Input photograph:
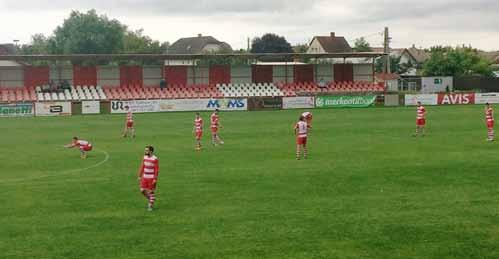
x=373 y=68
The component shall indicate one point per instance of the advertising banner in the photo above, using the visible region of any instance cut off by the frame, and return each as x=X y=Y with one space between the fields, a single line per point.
x=141 y=106
x=90 y=107
x=482 y=98
x=344 y=101
x=226 y=104
x=426 y=99
x=298 y=102
x=456 y=98
x=16 y=110
x=52 y=108
x=264 y=103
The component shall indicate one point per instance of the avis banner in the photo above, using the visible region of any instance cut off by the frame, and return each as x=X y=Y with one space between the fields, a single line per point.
x=344 y=101
x=456 y=98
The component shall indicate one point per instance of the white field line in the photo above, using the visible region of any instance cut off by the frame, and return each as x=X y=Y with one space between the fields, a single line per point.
x=66 y=172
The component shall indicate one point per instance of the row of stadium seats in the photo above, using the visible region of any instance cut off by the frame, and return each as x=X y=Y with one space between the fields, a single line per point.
x=292 y=89
x=248 y=90
x=78 y=93
x=129 y=92
x=18 y=95
x=136 y=91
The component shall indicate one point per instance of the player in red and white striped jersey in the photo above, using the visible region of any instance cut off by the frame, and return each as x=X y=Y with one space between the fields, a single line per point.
x=129 y=123
x=148 y=176
x=489 y=118
x=301 y=132
x=83 y=145
x=308 y=118
x=420 y=120
x=215 y=125
x=198 y=130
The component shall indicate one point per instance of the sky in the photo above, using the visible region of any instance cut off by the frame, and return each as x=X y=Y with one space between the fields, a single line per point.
x=422 y=23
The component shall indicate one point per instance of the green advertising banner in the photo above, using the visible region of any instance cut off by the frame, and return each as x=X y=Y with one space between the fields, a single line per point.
x=16 y=110
x=344 y=101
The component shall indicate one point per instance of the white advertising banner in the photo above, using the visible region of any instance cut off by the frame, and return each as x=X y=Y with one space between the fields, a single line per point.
x=141 y=106
x=482 y=98
x=426 y=99
x=52 y=108
x=298 y=102
x=90 y=107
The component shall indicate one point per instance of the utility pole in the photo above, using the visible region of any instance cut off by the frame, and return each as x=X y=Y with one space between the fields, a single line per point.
x=248 y=46
x=387 y=68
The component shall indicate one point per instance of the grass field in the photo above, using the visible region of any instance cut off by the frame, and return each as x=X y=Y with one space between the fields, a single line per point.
x=368 y=189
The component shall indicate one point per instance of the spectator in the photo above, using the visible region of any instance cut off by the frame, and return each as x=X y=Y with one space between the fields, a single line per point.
x=162 y=84
x=322 y=83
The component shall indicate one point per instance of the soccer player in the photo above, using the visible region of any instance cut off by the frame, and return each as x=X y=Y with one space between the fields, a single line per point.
x=148 y=176
x=129 y=123
x=215 y=125
x=420 y=120
x=489 y=118
x=198 y=130
x=301 y=130
x=308 y=118
x=84 y=146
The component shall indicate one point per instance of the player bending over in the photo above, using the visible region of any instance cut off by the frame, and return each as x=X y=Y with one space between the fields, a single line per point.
x=198 y=130
x=215 y=125
x=489 y=118
x=129 y=123
x=148 y=176
x=84 y=146
x=301 y=131
x=420 y=120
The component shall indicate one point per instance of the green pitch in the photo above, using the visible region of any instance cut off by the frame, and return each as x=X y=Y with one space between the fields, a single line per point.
x=368 y=189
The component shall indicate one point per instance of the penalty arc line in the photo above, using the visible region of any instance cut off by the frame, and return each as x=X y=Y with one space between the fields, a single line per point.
x=67 y=172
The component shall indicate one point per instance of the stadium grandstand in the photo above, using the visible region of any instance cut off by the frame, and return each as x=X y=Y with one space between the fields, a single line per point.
x=22 y=82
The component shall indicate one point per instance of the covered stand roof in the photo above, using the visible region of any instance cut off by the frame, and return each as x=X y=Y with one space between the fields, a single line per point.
x=110 y=57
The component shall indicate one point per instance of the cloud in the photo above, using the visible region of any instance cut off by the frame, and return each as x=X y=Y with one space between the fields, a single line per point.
x=170 y=7
x=425 y=22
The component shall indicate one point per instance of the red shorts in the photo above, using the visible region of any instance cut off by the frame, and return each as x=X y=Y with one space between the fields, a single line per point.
x=420 y=122
x=199 y=134
x=214 y=130
x=129 y=124
x=86 y=148
x=148 y=184
x=490 y=124
x=301 y=140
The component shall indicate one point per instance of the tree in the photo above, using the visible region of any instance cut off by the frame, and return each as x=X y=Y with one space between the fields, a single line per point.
x=137 y=43
x=456 y=62
x=300 y=48
x=395 y=65
x=39 y=45
x=89 y=33
x=361 y=45
x=270 y=43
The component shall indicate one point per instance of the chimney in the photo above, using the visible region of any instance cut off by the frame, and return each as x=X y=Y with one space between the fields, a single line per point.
x=332 y=35
x=413 y=46
x=200 y=35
